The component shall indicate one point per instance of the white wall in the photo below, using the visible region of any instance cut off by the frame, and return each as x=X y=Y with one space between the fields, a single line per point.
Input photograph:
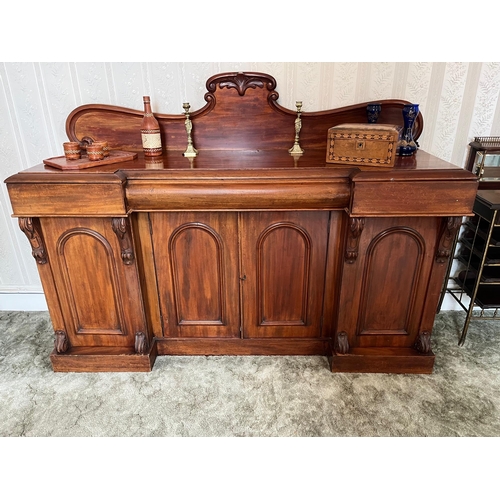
x=458 y=101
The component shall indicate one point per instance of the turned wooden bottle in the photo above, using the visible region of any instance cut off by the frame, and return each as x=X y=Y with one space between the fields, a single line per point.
x=150 y=131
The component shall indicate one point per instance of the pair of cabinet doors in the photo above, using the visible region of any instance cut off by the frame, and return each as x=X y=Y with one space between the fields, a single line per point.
x=240 y=275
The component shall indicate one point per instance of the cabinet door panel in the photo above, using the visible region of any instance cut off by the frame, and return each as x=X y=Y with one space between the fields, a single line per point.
x=196 y=260
x=403 y=249
x=198 y=288
x=99 y=294
x=92 y=302
x=283 y=266
x=283 y=274
x=384 y=287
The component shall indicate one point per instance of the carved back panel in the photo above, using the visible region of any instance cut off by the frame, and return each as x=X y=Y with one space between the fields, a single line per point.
x=241 y=113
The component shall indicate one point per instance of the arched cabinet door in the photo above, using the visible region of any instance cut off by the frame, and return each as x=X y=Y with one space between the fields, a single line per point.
x=196 y=260
x=283 y=260
x=386 y=272
x=95 y=273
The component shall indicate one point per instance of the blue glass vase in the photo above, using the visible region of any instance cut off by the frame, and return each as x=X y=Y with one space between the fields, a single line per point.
x=407 y=145
x=373 y=111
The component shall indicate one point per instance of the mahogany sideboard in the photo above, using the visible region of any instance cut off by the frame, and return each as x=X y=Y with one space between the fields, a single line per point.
x=245 y=249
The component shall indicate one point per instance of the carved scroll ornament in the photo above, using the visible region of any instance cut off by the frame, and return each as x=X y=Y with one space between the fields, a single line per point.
x=447 y=238
x=121 y=227
x=241 y=82
x=61 y=341
x=423 y=342
x=356 y=225
x=141 y=343
x=31 y=228
x=341 y=345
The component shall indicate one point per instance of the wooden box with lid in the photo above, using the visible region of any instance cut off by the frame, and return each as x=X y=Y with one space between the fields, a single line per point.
x=363 y=144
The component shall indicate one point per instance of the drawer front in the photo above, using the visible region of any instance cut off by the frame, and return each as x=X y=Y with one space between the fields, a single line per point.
x=453 y=198
x=62 y=199
x=237 y=195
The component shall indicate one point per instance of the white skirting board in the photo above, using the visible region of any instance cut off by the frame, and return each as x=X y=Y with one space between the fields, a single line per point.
x=23 y=302
x=36 y=302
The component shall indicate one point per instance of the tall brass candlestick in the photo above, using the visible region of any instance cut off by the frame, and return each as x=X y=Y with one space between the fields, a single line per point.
x=296 y=149
x=190 y=152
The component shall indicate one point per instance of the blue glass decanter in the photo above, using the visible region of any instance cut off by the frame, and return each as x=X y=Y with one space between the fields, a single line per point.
x=407 y=145
x=373 y=111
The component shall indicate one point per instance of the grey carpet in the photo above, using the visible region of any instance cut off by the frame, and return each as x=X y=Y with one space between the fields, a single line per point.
x=249 y=396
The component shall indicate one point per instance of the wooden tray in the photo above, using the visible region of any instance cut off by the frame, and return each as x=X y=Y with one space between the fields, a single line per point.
x=115 y=156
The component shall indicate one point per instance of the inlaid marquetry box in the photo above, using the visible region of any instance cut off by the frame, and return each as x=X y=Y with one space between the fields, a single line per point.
x=363 y=144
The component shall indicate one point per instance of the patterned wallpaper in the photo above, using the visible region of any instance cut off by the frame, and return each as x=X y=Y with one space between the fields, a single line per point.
x=458 y=100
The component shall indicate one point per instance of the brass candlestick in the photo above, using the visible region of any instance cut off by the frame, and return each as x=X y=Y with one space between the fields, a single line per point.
x=296 y=149
x=190 y=152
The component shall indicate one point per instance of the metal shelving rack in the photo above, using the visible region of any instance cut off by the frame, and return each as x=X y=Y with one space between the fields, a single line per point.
x=475 y=265
x=476 y=281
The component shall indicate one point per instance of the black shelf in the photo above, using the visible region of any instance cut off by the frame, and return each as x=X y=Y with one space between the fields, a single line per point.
x=477 y=249
x=489 y=276
x=482 y=231
x=487 y=297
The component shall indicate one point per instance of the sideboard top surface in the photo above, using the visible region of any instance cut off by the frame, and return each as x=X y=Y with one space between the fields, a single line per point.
x=257 y=163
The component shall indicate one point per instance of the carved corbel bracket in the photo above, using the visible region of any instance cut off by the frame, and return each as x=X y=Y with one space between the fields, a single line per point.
x=447 y=238
x=356 y=225
x=423 y=342
x=61 y=342
x=141 y=343
x=121 y=227
x=341 y=344
x=31 y=228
